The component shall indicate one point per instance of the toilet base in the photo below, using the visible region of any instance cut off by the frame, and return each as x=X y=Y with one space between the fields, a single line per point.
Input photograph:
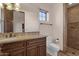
x=52 y=53
x=52 y=49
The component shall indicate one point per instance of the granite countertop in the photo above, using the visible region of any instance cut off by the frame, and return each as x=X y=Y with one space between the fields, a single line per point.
x=20 y=38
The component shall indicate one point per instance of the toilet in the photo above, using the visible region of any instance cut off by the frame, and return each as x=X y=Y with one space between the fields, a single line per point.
x=52 y=48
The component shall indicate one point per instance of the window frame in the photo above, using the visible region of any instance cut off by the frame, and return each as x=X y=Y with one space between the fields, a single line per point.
x=46 y=16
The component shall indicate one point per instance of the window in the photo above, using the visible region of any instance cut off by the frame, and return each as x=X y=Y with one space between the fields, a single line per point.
x=43 y=15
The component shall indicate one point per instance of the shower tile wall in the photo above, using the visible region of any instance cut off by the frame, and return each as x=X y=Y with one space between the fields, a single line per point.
x=73 y=27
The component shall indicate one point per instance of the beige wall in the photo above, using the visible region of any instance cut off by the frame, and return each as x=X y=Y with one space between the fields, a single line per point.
x=31 y=18
x=31 y=22
x=58 y=23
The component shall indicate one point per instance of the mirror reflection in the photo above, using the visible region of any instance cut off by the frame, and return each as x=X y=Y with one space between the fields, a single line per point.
x=11 y=19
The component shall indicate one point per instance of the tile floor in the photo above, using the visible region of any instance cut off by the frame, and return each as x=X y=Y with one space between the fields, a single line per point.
x=69 y=52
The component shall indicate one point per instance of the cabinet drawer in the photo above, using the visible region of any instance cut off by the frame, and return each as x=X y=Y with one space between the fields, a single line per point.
x=11 y=50
x=13 y=45
x=36 y=42
x=19 y=52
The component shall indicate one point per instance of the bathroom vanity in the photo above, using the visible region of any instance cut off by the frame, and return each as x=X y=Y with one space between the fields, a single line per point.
x=14 y=43
x=33 y=45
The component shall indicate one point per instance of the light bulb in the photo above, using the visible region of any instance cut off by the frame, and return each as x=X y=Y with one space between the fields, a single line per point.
x=9 y=6
x=69 y=3
x=17 y=6
x=1 y=5
x=17 y=9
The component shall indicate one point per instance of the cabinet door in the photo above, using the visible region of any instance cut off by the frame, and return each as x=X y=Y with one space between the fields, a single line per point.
x=32 y=51
x=42 y=50
x=8 y=26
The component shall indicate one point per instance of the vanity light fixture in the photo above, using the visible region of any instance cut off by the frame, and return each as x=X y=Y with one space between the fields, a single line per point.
x=11 y=6
x=70 y=3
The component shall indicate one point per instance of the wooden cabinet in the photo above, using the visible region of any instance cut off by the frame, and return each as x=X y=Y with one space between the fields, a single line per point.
x=36 y=47
x=33 y=47
x=8 y=18
x=14 y=49
x=36 y=50
x=18 y=52
x=42 y=50
x=32 y=51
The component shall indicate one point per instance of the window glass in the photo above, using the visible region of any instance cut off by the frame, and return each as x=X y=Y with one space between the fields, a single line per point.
x=43 y=15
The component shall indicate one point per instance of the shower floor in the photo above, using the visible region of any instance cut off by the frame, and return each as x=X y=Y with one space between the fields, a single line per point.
x=69 y=52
